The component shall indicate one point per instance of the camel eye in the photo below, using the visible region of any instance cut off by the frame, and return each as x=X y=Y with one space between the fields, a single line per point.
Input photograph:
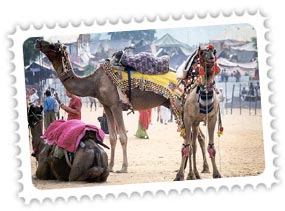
x=51 y=46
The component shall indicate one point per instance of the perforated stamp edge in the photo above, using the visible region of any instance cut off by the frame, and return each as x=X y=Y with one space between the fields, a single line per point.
x=256 y=18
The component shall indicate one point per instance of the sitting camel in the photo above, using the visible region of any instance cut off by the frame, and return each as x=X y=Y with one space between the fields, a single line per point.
x=201 y=105
x=89 y=162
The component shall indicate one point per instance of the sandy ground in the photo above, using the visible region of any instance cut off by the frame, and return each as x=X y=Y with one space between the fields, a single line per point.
x=239 y=151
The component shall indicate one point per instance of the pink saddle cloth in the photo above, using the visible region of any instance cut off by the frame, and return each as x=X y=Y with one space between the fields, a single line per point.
x=67 y=134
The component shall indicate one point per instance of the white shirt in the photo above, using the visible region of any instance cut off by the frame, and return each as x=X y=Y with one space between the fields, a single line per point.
x=33 y=99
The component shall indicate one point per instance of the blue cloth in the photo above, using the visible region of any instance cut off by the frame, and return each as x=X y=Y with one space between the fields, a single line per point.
x=48 y=104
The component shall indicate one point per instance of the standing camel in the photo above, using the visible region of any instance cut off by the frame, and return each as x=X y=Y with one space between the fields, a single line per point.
x=201 y=105
x=99 y=85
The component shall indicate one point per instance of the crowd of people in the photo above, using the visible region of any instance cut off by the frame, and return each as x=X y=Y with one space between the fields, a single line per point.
x=52 y=105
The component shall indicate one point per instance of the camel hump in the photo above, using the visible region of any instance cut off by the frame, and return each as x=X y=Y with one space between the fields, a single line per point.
x=144 y=62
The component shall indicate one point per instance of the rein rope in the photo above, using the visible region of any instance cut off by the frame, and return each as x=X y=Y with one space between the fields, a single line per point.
x=66 y=65
x=214 y=71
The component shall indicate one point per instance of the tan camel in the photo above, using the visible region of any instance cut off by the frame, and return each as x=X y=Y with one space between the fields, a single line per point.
x=201 y=105
x=98 y=85
x=90 y=161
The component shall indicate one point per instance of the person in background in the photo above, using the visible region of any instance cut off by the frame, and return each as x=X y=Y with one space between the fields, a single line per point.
x=92 y=101
x=237 y=75
x=164 y=114
x=222 y=100
x=243 y=94
x=56 y=97
x=74 y=108
x=103 y=123
x=49 y=114
x=32 y=97
x=144 y=121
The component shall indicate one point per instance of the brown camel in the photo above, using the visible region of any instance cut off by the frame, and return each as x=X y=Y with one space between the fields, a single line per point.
x=35 y=120
x=201 y=105
x=90 y=161
x=99 y=85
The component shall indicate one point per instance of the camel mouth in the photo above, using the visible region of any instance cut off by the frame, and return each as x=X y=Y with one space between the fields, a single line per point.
x=210 y=62
x=38 y=45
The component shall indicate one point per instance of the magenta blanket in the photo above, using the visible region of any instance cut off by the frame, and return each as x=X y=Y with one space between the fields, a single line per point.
x=67 y=134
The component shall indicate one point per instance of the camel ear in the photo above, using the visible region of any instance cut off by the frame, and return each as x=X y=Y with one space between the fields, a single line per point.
x=199 y=50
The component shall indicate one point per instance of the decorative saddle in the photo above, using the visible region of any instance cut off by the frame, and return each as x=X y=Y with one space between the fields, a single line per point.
x=143 y=62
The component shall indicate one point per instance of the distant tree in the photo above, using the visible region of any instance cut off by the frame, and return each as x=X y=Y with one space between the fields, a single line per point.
x=30 y=53
x=134 y=36
x=254 y=41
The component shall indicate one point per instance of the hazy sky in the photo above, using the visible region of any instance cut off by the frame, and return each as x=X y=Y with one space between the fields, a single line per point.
x=190 y=35
x=196 y=35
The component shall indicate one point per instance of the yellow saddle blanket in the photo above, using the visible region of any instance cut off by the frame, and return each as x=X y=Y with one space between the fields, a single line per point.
x=145 y=81
x=158 y=84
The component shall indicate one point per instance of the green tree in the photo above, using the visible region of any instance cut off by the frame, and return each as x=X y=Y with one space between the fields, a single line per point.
x=254 y=41
x=30 y=53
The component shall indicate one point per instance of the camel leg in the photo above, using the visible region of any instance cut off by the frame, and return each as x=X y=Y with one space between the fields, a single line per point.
x=201 y=140
x=211 y=147
x=184 y=156
x=194 y=144
x=119 y=121
x=191 y=175
x=112 y=136
x=91 y=174
x=43 y=171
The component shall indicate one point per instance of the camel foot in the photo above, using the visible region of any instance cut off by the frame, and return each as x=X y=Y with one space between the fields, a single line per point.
x=205 y=170
x=197 y=176
x=217 y=175
x=179 y=177
x=123 y=170
x=192 y=176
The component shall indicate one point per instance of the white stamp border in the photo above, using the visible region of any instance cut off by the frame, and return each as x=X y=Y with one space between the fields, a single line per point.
x=256 y=18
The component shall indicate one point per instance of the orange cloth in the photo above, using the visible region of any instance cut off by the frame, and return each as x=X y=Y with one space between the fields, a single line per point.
x=145 y=118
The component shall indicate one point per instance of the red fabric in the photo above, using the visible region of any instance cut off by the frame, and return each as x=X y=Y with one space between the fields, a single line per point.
x=210 y=46
x=145 y=118
x=211 y=152
x=75 y=103
x=67 y=134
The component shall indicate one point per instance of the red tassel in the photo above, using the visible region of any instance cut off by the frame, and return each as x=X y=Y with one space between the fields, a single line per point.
x=185 y=152
x=201 y=71
x=211 y=152
x=210 y=46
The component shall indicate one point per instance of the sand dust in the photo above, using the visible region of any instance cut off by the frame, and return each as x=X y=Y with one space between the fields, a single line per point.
x=240 y=151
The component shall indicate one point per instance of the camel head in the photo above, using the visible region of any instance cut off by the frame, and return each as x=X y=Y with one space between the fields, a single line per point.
x=208 y=60
x=54 y=52
x=207 y=56
x=49 y=48
x=34 y=115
